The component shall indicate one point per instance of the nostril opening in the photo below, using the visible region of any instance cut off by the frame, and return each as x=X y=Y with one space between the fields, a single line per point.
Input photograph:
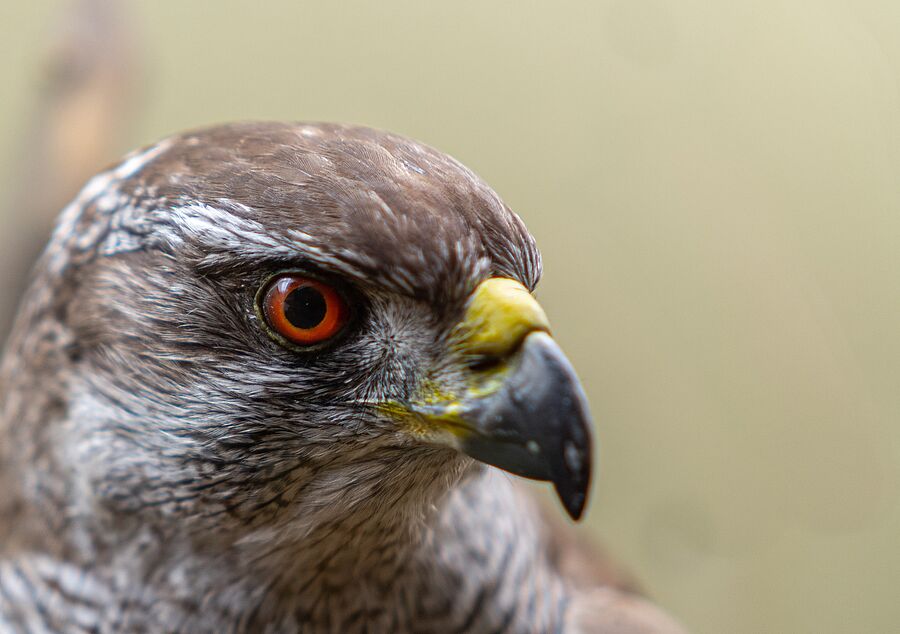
x=483 y=362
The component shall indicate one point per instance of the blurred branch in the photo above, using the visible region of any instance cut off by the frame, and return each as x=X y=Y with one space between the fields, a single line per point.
x=84 y=105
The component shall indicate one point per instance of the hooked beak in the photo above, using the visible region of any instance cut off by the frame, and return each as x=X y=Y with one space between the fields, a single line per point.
x=524 y=409
x=537 y=424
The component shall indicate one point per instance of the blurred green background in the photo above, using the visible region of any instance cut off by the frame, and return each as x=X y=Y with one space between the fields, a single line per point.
x=714 y=186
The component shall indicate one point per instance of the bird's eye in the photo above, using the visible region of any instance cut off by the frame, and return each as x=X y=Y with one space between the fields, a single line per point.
x=304 y=311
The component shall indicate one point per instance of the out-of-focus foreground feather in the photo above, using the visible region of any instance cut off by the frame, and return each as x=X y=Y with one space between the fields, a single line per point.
x=82 y=108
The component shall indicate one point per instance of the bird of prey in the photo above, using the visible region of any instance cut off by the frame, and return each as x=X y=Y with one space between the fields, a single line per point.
x=263 y=380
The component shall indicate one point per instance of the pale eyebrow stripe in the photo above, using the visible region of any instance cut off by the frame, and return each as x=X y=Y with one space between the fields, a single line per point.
x=236 y=238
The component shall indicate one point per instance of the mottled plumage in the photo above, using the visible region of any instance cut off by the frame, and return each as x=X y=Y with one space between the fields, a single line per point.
x=167 y=466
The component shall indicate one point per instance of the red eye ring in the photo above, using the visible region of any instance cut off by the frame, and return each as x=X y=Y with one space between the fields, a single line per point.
x=303 y=310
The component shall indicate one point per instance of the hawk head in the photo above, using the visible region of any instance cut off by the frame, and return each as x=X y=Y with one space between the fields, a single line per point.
x=268 y=324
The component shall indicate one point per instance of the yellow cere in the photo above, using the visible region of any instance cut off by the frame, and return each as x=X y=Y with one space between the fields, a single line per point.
x=500 y=315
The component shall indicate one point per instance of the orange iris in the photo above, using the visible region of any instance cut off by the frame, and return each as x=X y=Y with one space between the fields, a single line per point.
x=302 y=310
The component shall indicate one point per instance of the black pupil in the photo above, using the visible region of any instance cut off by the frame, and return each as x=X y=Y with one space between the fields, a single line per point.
x=305 y=307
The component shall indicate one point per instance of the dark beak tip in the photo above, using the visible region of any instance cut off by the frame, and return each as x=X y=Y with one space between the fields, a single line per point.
x=574 y=465
x=572 y=490
x=574 y=505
